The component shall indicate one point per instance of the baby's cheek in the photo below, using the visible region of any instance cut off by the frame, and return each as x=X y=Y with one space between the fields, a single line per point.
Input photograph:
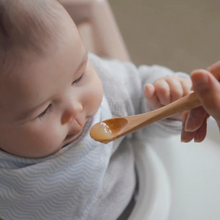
x=47 y=139
x=93 y=93
x=96 y=94
x=53 y=137
x=95 y=100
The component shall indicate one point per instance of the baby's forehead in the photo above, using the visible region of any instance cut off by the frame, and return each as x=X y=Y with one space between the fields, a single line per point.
x=29 y=25
x=22 y=71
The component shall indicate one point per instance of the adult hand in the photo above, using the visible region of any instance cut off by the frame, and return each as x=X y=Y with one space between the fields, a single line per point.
x=206 y=85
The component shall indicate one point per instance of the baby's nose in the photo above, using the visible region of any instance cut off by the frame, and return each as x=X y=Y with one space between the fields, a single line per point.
x=70 y=113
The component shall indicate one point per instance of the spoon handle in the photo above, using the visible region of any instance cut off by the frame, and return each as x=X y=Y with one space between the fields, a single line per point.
x=183 y=104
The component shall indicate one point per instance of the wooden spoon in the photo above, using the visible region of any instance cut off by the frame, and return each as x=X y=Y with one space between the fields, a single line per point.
x=111 y=129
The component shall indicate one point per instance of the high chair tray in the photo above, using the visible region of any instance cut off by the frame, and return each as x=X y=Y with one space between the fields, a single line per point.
x=178 y=181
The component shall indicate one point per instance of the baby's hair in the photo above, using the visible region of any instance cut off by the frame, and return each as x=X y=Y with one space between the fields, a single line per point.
x=27 y=26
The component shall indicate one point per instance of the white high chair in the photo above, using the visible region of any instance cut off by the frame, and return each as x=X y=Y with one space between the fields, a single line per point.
x=177 y=181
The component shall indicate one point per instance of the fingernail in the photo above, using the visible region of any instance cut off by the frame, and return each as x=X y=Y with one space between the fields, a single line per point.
x=183 y=140
x=197 y=138
x=189 y=124
x=200 y=82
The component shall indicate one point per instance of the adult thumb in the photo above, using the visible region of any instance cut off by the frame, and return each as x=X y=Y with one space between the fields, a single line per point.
x=207 y=88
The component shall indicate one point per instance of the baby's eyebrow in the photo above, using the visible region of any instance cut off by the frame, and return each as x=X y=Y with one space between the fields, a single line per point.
x=29 y=112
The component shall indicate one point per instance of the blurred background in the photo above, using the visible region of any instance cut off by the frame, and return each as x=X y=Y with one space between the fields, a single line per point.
x=180 y=34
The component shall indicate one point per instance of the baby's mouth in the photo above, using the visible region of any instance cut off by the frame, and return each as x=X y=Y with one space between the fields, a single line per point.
x=70 y=136
x=73 y=136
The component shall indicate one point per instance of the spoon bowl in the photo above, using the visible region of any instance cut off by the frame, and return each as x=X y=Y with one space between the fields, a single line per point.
x=106 y=131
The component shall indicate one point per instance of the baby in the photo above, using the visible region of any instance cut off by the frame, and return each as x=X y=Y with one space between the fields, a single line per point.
x=51 y=93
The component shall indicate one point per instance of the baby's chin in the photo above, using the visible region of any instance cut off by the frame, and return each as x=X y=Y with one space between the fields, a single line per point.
x=69 y=139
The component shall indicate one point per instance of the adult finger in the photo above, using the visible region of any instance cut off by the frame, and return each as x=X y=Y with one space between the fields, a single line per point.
x=195 y=119
x=186 y=136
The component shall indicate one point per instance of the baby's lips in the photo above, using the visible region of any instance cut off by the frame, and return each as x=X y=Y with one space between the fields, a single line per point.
x=80 y=120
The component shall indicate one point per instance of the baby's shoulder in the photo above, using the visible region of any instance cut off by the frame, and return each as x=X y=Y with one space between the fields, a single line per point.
x=122 y=89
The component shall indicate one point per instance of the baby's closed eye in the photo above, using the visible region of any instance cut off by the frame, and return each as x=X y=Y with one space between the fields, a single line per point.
x=45 y=112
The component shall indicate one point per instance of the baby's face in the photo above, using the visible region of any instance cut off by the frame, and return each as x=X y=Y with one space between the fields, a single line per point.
x=45 y=106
